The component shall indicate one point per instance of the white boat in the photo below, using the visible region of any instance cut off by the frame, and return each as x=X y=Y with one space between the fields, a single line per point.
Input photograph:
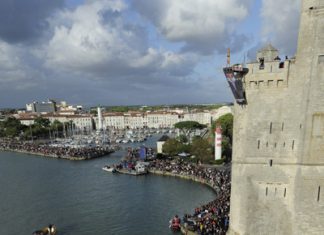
x=109 y=169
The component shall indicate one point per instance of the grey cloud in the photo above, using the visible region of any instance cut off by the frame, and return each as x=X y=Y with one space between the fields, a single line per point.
x=280 y=24
x=106 y=46
x=202 y=31
x=105 y=59
x=22 y=21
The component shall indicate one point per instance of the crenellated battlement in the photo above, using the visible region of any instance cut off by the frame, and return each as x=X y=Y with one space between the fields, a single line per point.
x=273 y=74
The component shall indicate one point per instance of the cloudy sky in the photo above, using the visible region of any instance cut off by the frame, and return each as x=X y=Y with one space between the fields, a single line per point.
x=119 y=52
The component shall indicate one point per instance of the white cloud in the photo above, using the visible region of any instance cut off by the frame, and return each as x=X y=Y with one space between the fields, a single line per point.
x=95 y=38
x=204 y=25
x=108 y=42
x=14 y=71
x=280 y=22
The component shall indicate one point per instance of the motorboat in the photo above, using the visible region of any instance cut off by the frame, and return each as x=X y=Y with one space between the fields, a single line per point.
x=175 y=224
x=109 y=168
x=49 y=230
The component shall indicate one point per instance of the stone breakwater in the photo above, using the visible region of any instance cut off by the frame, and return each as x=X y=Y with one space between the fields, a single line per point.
x=45 y=150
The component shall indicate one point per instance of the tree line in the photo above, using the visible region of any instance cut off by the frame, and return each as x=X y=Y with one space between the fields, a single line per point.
x=201 y=147
x=41 y=128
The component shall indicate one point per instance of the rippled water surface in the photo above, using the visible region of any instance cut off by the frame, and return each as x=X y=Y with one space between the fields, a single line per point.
x=81 y=199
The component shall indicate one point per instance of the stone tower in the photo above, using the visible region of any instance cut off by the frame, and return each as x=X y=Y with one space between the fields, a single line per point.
x=278 y=155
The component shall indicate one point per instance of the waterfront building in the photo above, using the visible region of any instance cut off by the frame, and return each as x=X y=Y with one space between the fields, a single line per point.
x=158 y=119
x=278 y=144
x=201 y=117
x=81 y=122
x=162 y=119
x=42 y=107
x=127 y=120
x=114 y=120
x=52 y=106
x=133 y=120
x=26 y=121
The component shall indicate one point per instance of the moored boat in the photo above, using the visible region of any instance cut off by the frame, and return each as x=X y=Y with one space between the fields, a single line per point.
x=109 y=168
x=175 y=224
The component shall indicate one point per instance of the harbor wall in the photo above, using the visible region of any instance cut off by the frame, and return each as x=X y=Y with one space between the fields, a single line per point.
x=186 y=177
x=52 y=155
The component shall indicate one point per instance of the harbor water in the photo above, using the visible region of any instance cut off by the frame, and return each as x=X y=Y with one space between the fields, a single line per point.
x=82 y=199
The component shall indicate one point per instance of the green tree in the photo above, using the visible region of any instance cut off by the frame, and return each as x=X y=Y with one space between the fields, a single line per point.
x=42 y=122
x=11 y=127
x=56 y=126
x=172 y=147
x=183 y=139
x=201 y=149
x=187 y=127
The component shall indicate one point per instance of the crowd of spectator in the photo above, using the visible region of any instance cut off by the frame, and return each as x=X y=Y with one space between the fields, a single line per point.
x=212 y=218
x=69 y=152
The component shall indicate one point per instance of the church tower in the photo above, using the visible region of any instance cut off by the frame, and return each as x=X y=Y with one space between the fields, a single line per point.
x=278 y=146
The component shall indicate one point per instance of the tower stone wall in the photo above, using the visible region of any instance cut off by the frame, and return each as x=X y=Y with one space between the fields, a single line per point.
x=278 y=146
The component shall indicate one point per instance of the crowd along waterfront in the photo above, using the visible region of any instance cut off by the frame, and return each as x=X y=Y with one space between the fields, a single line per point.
x=79 y=198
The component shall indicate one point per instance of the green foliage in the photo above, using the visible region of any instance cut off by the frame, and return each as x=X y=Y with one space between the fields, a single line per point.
x=94 y=112
x=42 y=122
x=118 y=109
x=189 y=125
x=183 y=139
x=172 y=147
x=201 y=149
x=11 y=127
x=56 y=126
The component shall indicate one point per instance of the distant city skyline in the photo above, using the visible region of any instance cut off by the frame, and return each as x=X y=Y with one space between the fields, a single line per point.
x=127 y=52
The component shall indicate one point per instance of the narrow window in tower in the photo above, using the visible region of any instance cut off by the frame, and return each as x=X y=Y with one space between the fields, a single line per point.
x=293 y=145
x=282 y=126
x=258 y=144
x=270 y=162
x=275 y=191
x=266 y=191
x=285 y=192
x=319 y=193
x=300 y=126
x=267 y=144
x=275 y=145
x=284 y=144
x=270 y=128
